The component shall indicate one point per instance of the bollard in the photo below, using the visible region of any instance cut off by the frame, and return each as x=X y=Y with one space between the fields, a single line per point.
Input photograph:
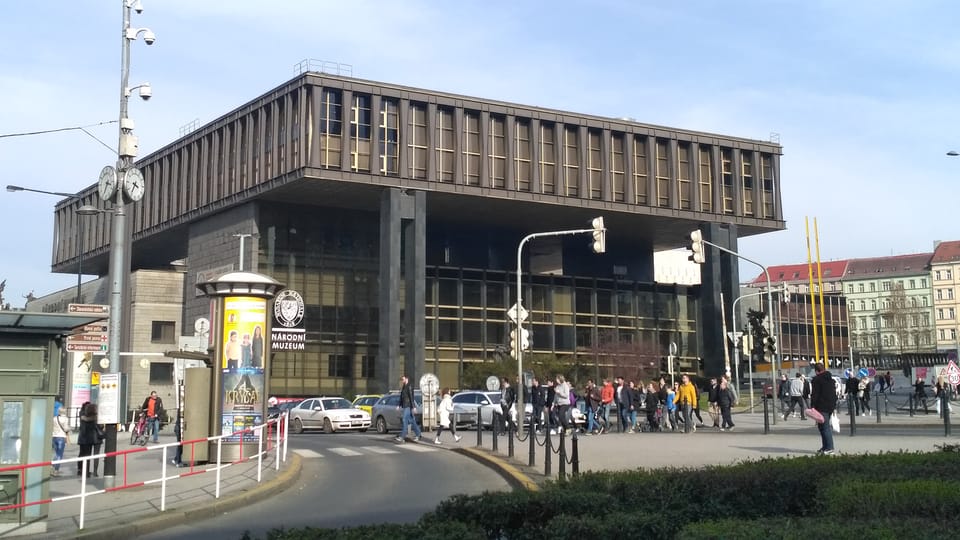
x=496 y=431
x=878 y=408
x=479 y=431
x=852 y=408
x=945 y=407
x=563 y=454
x=532 y=435
x=910 y=405
x=548 y=452
x=510 y=433
x=576 y=455
x=766 y=415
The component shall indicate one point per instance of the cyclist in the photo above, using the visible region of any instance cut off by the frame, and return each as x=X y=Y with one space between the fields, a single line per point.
x=153 y=406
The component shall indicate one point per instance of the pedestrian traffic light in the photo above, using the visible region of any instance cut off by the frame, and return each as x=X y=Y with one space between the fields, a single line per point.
x=696 y=246
x=524 y=340
x=599 y=235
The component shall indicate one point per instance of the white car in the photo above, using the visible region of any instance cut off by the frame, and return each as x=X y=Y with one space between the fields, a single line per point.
x=468 y=404
x=329 y=414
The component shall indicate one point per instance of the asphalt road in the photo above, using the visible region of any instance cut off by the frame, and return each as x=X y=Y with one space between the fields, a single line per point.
x=353 y=479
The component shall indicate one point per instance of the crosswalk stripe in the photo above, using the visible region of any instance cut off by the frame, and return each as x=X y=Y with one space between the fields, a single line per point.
x=378 y=450
x=345 y=452
x=414 y=447
x=307 y=453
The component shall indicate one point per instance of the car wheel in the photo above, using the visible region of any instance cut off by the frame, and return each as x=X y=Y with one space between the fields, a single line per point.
x=363 y=430
x=381 y=425
x=297 y=425
x=327 y=426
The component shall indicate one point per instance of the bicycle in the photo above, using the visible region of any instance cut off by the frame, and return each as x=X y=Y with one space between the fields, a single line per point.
x=138 y=435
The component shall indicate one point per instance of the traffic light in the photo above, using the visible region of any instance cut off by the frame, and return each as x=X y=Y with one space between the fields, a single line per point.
x=696 y=246
x=524 y=340
x=664 y=368
x=770 y=347
x=599 y=235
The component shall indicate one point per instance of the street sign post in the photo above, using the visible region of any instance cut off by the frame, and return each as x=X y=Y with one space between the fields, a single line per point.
x=517 y=314
x=91 y=337
x=953 y=373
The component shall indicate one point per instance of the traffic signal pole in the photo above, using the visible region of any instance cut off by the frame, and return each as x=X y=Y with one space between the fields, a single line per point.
x=599 y=245
x=736 y=342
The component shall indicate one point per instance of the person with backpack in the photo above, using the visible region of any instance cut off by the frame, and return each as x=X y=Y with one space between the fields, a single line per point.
x=591 y=396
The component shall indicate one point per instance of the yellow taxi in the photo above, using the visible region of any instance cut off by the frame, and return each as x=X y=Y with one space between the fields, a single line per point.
x=365 y=402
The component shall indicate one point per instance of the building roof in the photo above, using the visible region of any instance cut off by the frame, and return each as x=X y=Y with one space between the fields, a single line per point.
x=946 y=252
x=796 y=273
x=885 y=267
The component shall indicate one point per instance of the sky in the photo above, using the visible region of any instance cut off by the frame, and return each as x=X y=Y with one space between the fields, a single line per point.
x=862 y=94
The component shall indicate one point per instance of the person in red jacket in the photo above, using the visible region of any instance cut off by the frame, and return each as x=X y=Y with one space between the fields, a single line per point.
x=606 y=400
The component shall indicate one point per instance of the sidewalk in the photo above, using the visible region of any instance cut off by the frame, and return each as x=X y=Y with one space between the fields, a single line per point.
x=128 y=512
x=707 y=446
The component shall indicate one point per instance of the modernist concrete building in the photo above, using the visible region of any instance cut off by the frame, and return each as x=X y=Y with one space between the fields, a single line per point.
x=945 y=280
x=396 y=212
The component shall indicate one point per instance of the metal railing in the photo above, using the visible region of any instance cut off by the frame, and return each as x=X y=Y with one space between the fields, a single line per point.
x=270 y=437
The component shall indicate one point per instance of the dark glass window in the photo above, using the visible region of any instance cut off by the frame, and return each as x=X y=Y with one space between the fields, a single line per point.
x=338 y=365
x=163 y=332
x=161 y=373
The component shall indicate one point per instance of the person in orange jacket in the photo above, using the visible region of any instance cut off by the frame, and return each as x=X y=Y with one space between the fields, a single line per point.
x=686 y=398
x=606 y=400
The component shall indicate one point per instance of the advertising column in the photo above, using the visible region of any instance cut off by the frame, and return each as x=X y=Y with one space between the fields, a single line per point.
x=242 y=365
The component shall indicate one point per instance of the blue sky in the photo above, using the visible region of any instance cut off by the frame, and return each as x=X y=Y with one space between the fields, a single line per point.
x=863 y=94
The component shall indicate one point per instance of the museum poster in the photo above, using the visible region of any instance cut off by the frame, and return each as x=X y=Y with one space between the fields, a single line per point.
x=242 y=365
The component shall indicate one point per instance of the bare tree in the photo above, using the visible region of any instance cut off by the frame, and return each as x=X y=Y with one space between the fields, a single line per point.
x=904 y=319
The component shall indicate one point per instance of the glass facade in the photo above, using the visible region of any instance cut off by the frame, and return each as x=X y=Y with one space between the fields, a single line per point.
x=332 y=259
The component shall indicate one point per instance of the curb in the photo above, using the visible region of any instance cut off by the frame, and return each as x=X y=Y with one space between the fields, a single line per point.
x=180 y=516
x=514 y=476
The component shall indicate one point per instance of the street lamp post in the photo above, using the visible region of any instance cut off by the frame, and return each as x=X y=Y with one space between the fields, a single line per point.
x=127 y=186
x=733 y=314
x=599 y=246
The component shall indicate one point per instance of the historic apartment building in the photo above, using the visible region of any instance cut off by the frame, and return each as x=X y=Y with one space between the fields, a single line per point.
x=396 y=212
x=945 y=280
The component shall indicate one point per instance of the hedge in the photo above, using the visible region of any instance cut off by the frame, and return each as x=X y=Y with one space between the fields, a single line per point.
x=834 y=528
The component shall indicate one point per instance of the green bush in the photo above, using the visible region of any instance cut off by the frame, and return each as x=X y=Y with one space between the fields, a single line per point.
x=416 y=531
x=907 y=498
x=833 y=527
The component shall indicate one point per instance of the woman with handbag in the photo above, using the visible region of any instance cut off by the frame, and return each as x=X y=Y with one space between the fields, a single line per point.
x=446 y=420
x=61 y=436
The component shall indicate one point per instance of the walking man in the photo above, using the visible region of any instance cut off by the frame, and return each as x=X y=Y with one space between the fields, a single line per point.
x=536 y=399
x=153 y=407
x=687 y=399
x=796 y=397
x=409 y=408
x=508 y=397
x=823 y=398
x=713 y=400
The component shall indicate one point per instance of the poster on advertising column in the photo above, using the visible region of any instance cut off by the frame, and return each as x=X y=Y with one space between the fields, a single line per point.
x=244 y=323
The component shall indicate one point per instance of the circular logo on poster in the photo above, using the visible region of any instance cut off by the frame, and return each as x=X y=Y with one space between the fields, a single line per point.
x=288 y=308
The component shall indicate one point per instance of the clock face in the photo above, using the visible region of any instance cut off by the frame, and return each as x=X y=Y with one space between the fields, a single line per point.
x=108 y=183
x=133 y=185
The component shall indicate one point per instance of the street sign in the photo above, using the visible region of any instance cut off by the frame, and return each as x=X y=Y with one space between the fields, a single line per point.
x=953 y=373
x=108 y=402
x=863 y=372
x=734 y=337
x=87 y=338
x=517 y=314
x=848 y=373
x=673 y=348
x=87 y=347
x=90 y=309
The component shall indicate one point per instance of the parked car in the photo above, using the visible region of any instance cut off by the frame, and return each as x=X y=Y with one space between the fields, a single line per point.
x=328 y=413
x=365 y=402
x=388 y=417
x=476 y=407
x=274 y=411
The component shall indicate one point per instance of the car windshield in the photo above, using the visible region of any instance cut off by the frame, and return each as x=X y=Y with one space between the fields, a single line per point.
x=335 y=403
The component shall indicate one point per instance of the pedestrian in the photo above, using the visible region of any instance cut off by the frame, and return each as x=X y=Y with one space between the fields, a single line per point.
x=636 y=401
x=712 y=396
x=562 y=402
x=725 y=402
x=796 y=398
x=153 y=408
x=61 y=435
x=806 y=392
x=606 y=401
x=87 y=436
x=549 y=404
x=536 y=400
x=652 y=403
x=823 y=398
x=409 y=407
x=783 y=392
x=920 y=394
x=508 y=397
x=446 y=410
x=696 y=406
x=686 y=398
x=863 y=394
x=671 y=406
x=889 y=379
x=622 y=399
x=591 y=397
x=177 y=460
x=851 y=388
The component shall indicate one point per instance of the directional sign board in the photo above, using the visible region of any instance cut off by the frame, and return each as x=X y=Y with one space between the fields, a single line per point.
x=734 y=337
x=517 y=314
x=863 y=372
x=89 y=337
x=953 y=373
